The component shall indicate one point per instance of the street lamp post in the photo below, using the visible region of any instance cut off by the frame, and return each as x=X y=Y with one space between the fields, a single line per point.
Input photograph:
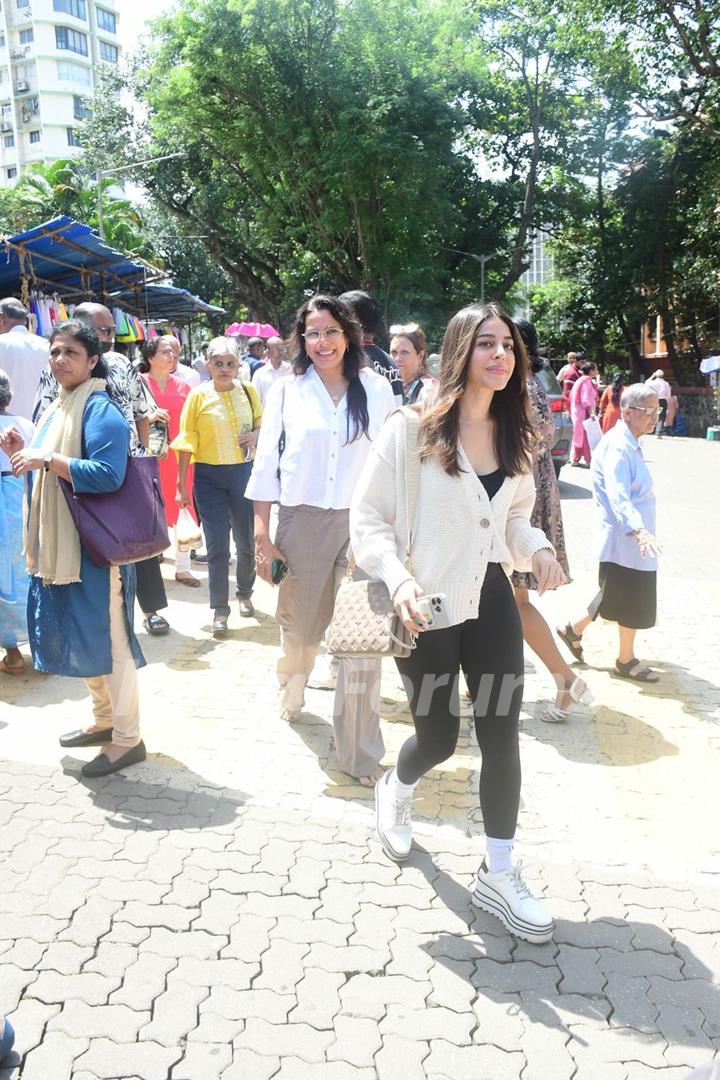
x=102 y=173
x=482 y=259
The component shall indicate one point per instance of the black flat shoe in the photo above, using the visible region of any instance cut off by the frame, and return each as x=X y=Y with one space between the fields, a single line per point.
x=246 y=608
x=103 y=766
x=220 y=626
x=86 y=738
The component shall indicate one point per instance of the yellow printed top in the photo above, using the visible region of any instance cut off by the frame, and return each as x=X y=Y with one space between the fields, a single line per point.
x=211 y=422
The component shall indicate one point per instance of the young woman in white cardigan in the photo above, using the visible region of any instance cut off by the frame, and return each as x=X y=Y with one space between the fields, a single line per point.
x=471 y=528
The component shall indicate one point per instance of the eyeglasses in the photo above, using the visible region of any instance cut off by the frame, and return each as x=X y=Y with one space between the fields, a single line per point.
x=333 y=333
x=404 y=328
x=105 y=329
x=643 y=408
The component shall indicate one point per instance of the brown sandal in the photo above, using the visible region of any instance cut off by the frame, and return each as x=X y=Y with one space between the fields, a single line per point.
x=644 y=674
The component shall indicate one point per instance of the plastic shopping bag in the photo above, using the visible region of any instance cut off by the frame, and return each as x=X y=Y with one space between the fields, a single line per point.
x=187 y=532
x=593 y=431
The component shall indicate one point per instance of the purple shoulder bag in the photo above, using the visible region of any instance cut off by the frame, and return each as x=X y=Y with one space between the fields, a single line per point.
x=123 y=526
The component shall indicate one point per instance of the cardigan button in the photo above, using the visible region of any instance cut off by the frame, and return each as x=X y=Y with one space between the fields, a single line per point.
x=484 y=523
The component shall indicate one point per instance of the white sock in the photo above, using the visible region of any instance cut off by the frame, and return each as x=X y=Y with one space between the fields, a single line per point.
x=400 y=790
x=498 y=854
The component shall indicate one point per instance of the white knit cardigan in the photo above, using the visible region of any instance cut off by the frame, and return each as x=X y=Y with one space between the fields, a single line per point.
x=457 y=528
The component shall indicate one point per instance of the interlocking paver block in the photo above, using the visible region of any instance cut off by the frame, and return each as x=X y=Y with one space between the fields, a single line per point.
x=116 y=1022
x=512 y=978
x=429 y=1023
x=365 y=995
x=580 y=971
x=339 y=901
x=111 y=959
x=639 y=962
x=90 y=987
x=472 y=1062
x=358 y=1040
x=499 y=1018
x=202 y=1061
x=54 y=1057
x=349 y=958
x=281 y=967
x=325 y=931
x=594 y=935
x=222 y=972
x=107 y=1060
x=545 y=1049
x=171 y=916
x=242 y=1004
x=29 y=1020
x=299 y=1039
x=13 y=980
x=687 y=1042
x=175 y=1013
x=296 y=1069
x=220 y=911
x=318 y=999
x=215 y=1029
x=144 y=981
x=451 y=984
x=409 y=957
x=247 y=1065
x=592 y=1048
x=400 y=1058
x=196 y=943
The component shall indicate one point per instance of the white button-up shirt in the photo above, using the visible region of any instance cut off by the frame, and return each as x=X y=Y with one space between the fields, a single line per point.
x=266 y=376
x=23 y=358
x=319 y=466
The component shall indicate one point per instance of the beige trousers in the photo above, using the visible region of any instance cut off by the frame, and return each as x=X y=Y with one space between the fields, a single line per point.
x=115 y=696
x=314 y=542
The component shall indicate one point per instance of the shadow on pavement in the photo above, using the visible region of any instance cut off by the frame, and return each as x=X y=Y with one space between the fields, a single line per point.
x=181 y=799
x=635 y=975
x=617 y=738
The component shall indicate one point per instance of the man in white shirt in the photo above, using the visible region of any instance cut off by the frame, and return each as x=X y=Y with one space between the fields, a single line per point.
x=23 y=356
x=659 y=384
x=275 y=368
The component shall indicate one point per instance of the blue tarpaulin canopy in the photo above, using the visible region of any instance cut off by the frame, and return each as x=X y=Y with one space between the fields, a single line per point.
x=67 y=257
x=160 y=301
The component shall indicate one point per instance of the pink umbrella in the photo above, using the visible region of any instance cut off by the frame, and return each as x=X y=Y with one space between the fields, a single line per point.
x=233 y=329
x=252 y=329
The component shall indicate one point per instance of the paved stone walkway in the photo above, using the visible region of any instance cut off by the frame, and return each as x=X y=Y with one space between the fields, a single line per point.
x=224 y=910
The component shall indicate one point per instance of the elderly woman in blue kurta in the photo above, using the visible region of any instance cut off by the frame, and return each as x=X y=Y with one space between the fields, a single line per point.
x=79 y=615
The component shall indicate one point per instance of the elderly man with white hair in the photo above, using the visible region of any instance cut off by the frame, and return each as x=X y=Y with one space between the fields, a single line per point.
x=275 y=368
x=624 y=534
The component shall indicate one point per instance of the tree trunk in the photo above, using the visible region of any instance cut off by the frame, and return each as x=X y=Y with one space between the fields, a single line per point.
x=636 y=362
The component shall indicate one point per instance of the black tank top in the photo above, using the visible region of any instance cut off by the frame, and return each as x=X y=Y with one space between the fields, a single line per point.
x=492 y=482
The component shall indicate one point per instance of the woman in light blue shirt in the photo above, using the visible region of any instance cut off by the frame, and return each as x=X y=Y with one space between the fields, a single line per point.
x=624 y=535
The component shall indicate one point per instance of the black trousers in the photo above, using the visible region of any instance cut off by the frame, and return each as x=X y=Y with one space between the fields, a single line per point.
x=660 y=425
x=489 y=649
x=150 y=590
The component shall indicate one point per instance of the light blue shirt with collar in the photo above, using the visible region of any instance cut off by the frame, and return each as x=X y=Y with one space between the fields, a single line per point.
x=624 y=499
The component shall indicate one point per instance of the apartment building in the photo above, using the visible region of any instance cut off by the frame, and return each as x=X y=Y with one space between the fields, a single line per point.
x=50 y=53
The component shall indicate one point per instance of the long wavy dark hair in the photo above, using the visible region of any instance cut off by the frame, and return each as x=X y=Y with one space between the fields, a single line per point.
x=617 y=388
x=353 y=361
x=510 y=408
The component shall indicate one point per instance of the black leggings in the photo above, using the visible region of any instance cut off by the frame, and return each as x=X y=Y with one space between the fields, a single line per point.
x=489 y=649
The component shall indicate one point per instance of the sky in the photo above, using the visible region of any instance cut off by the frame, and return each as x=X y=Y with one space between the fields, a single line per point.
x=133 y=16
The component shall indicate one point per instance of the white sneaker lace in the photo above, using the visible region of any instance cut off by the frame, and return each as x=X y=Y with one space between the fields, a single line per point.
x=520 y=887
x=400 y=811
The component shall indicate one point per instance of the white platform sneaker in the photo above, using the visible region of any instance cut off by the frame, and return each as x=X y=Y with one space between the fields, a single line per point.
x=506 y=895
x=392 y=815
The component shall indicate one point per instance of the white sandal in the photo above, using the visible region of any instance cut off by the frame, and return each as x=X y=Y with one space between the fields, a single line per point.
x=553 y=714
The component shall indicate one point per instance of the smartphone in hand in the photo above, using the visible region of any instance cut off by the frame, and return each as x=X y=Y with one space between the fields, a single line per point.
x=433 y=609
x=278 y=571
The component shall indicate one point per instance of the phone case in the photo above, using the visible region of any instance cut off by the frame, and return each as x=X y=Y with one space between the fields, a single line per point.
x=434 y=611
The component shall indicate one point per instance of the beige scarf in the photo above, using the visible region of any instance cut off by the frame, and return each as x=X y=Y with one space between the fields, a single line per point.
x=52 y=544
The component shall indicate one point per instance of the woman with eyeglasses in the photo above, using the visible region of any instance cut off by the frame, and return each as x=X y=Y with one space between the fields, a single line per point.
x=407 y=348
x=317 y=430
x=624 y=535
x=218 y=431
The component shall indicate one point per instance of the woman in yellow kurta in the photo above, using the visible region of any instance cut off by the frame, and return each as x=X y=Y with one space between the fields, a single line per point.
x=218 y=431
